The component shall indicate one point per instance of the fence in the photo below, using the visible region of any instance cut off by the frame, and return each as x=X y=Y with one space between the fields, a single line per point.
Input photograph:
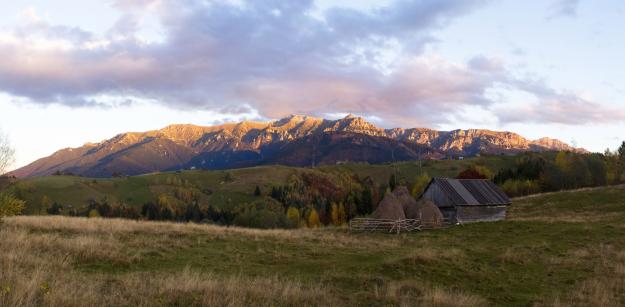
x=383 y=225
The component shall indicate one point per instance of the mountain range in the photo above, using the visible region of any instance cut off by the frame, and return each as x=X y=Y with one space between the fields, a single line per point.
x=295 y=140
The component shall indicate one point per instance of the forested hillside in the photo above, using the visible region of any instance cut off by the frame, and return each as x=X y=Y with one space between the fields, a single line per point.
x=287 y=197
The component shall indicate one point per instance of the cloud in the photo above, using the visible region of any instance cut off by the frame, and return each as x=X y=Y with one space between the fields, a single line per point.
x=216 y=51
x=551 y=106
x=563 y=8
x=267 y=56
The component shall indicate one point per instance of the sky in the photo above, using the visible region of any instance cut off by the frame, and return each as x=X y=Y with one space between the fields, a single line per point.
x=74 y=72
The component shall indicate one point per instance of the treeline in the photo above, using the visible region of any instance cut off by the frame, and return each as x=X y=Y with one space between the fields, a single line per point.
x=536 y=173
x=308 y=199
x=315 y=199
x=324 y=198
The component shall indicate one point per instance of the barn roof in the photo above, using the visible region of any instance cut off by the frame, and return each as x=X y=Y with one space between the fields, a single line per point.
x=471 y=192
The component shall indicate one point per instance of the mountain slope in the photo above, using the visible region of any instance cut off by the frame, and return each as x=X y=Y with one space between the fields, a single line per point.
x=294 y=140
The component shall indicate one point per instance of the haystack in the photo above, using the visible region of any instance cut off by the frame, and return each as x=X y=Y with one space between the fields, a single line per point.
x=389 y=208
x=404 y=198
x=426 y=211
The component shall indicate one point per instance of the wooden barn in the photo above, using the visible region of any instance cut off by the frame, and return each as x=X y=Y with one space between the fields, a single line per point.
x=467 y=200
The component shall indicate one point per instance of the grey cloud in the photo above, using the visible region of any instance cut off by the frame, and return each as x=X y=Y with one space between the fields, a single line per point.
x=245 y=58
x=214 y=51
x=554 y=106
x=564 y=8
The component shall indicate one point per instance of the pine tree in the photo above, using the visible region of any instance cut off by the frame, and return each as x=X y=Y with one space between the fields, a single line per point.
x=366 y=201
x=334 y=214
x=257 y=191
x=392 y=182
x=621 y=152
x=342 y=214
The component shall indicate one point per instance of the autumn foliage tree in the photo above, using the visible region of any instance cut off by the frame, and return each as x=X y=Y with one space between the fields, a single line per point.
x=313 y=219
x=9 y=204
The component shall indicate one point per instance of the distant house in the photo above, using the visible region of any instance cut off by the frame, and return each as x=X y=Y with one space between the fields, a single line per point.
x=467 y=200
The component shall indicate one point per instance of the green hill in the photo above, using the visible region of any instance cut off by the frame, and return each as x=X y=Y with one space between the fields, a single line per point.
x=560 y=249
x=223 y=188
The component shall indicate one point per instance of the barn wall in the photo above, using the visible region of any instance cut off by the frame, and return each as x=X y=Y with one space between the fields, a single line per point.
x=436 y=195
x=467 y=214
x=449 y=214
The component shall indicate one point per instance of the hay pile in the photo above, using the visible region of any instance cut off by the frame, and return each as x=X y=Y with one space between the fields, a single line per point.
x=389 y=208
x=426 y=211
x=400 y=205
x=404 y=197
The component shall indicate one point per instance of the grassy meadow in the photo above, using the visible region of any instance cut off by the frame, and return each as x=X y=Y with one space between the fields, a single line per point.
x=558 y=249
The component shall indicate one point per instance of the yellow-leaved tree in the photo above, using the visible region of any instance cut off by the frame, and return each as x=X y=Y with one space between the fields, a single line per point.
x=292 y=215
x=313 y=219
x=420 y=184
x=9 y=204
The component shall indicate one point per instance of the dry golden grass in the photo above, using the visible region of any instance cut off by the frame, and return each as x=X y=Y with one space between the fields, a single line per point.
x=512 y=256
x=113 y=227
x=414 y=293
x=608 y=289
x=426 y=254
x=38 y=270
x=39 y=257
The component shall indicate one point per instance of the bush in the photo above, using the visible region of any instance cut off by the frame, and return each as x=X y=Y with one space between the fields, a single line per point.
x=292 y=215
x=264 y=213
x=93 y=213
x=420 y=184
x=475 y=172
x=10 y=205
x=514 y=187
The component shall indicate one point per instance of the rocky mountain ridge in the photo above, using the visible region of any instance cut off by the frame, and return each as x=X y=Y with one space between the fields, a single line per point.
x=294 y=140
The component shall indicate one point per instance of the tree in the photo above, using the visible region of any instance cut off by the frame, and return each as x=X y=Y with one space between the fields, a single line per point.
x=621 y=153
x=150 y=211
x=93 y=213
x=342 y=214
x=471 y=173
x=420 y=184
x=313 y=219
x=366 y=201
x=392 y=182
x=257 y=191
x=10 y=205
x=55 y=209
x=228 y=177
x=7 y=154
x=292 y=215
x=334 y=214
x=46 y=202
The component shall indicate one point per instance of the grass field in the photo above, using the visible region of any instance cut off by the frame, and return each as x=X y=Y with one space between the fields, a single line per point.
x=561 y=249
x=135 y=191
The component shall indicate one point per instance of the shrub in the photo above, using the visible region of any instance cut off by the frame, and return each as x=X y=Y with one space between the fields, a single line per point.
x=10 y=205
x=420 y=184
x=93 y=213
x=293 y=217
x=514 y=187
x=475 y=172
